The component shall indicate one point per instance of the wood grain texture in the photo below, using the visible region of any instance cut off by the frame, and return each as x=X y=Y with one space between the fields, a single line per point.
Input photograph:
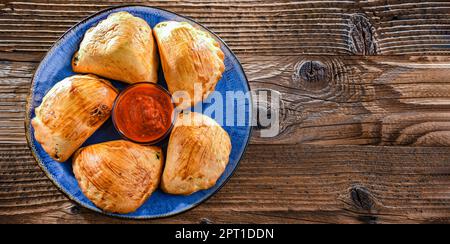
x=365 y=119
x=386 y=100
x=378 y=100
x=312 y=184
x=257 y=27
x=306 y=176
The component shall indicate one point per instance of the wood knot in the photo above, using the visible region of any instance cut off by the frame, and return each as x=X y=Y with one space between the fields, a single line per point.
x=75 y=209
x=205 y=221
x=368 y=219
x=361 y=198
x=311 y=75
x=362 y=36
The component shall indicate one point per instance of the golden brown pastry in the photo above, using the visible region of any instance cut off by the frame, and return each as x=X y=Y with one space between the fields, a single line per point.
x=71 y=112
x=120 y=47
x=118 y=176
x=197 y=155
x=189 y=56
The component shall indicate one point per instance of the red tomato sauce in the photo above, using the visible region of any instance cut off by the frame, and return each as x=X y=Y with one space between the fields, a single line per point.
x=143 y=113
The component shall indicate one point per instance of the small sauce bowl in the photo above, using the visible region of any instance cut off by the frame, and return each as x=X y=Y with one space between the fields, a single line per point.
x=144 y=113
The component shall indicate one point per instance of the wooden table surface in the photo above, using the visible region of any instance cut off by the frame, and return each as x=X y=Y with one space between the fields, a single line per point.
x=365 y=124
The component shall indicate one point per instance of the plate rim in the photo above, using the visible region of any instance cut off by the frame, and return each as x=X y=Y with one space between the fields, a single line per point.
x=99 y=211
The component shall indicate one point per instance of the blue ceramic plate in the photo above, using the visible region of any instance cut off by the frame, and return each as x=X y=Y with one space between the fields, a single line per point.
x=57 y=65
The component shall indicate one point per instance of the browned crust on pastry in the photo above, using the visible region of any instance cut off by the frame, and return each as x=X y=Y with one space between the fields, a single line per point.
x=188 y=56
x=120 y=47
x=197 y=155
x=118 y=176
x=71 y=112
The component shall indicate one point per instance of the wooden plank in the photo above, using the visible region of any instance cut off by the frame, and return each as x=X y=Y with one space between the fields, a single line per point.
x=325 y=100
x=277 y=184
x=393 y=91
x=15 y=79
x=348 y=100
x=257 y=27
